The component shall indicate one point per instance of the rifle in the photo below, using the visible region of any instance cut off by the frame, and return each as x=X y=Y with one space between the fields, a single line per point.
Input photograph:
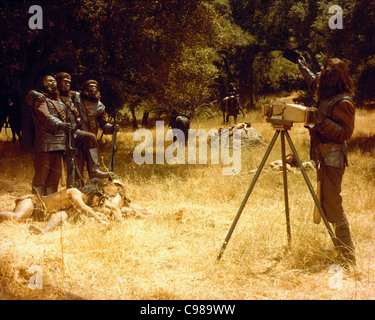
x=113 y=147
x=70 y=162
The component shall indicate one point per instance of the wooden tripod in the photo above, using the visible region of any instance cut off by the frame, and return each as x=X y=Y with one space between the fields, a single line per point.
x=280 y=127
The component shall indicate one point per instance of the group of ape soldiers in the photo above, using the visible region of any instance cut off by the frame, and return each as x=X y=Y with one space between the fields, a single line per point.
x=58 y=113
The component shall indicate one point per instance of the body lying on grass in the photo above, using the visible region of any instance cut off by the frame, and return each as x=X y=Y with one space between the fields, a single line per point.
x=291 y=165
x=102 y=200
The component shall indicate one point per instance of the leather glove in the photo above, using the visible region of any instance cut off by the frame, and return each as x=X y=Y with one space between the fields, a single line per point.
x=301 y=61
x=307 y=74
x=318 y=117
x=38 y=96
x=67 y=127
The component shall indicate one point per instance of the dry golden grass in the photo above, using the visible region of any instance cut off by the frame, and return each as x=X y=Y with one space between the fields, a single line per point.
x=169 y=256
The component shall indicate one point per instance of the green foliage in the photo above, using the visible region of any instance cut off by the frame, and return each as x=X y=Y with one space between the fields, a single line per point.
x=303 y=26
x=276 y=76
x=366 y=83
x=129 y=46
x=164 y=54
x=188 y=86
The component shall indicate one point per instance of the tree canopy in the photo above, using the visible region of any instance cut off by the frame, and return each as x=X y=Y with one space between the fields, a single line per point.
x=175 y=54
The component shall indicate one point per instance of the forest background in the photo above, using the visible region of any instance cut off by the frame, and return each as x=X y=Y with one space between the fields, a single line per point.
x=153 y=56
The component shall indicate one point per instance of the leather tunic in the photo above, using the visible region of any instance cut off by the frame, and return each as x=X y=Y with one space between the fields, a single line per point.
x=327 y=144
x=92 y=114
x=48 y=120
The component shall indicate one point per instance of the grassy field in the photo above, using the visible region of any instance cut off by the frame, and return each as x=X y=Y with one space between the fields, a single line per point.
x=169 y=256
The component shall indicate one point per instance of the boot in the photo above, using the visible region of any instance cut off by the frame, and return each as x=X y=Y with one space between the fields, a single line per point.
x=345 y=245
x=93 y=165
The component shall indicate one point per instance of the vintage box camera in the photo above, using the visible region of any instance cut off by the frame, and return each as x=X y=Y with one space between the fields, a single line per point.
x=280 y=112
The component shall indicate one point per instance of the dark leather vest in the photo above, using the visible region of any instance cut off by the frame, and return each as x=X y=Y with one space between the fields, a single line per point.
x=73 y=114
x=328 y=152
x=91 y=113
x=48 y=136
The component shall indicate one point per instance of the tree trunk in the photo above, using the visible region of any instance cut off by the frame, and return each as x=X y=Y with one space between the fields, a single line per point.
x=145 y=118
x=132 y=110
x=251 y=82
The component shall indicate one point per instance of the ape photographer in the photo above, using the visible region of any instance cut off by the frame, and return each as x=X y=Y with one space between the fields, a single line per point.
x=334 y=125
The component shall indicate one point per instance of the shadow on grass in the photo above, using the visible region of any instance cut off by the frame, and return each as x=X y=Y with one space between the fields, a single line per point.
x=363 y=143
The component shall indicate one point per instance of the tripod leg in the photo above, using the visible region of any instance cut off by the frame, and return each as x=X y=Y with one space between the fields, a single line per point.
x=316 y=200
x=248 y=193
x=285 y=180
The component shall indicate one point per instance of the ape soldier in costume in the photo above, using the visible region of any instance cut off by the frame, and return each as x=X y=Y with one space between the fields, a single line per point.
x=51 y=121
x=88 y=112
x=85 y=140
x=92 y=112
x=232 y=104
x=334 y=125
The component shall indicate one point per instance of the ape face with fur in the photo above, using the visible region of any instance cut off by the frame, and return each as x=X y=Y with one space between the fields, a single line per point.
x=91 y=90
x=63 y=82
x=334 y=79
x=48 y=86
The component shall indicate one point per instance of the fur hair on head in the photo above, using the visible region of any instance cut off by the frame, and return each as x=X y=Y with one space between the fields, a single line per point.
x=335 y=79
x=86 y=91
